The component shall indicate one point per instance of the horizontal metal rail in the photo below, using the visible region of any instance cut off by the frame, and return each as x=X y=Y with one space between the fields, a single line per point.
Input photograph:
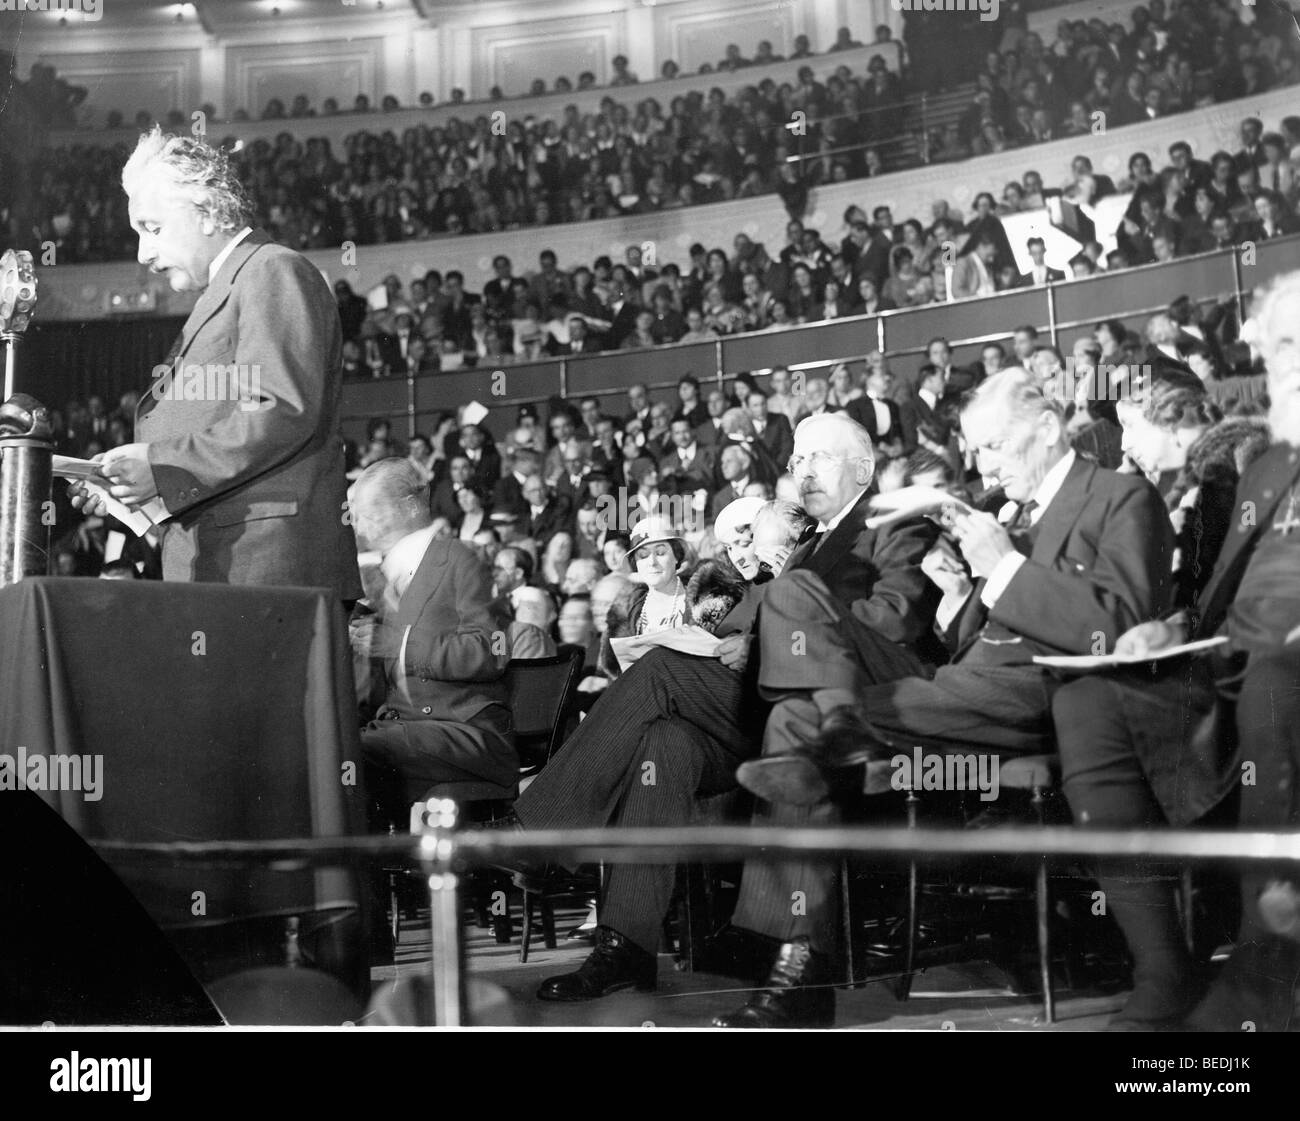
x=730 y=842
x=442 y=852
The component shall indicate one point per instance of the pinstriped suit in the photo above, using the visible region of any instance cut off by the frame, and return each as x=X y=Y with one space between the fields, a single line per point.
x=673 y=727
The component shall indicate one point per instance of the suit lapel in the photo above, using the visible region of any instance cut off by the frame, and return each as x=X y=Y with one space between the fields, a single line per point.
x=208 y=304
x=422 y=588
x=838 y=542
x=1063 y=511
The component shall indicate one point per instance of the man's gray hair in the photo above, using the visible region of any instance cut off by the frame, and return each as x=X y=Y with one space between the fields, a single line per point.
x=392 y=485
x=790 y=514
x=1017 y=391
x=200 y=170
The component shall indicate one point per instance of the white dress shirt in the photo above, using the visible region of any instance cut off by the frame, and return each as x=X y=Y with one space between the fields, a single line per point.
x=220 y=259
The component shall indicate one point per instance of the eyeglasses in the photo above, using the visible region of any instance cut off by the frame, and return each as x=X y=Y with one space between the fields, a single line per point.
x=818 y=461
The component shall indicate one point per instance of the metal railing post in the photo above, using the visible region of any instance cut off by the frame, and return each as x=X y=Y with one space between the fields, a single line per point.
x=446 y=946
x=1051 y=313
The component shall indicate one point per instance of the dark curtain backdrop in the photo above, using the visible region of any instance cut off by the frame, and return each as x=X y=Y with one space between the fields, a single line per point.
x=61 y=361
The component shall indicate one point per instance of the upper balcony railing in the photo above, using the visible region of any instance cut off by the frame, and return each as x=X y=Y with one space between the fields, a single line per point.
x=1062 y=311
x=337 y=127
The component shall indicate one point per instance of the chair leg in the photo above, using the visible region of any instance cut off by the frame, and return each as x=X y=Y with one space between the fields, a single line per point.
x=395 y=908
x=903 y=986
x=1042 y=907
x=846 y=924
x=1186 y=905
x=526 y=936
x=548 y=923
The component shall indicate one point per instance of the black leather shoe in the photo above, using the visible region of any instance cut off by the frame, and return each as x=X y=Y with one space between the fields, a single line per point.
x=797 y=995
x=819 y=768
x=848 y=739
x=616 y=963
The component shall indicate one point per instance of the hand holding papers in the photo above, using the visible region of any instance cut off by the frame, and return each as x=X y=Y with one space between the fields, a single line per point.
x=913 y=502
x=91 y=483
x=1084 y=662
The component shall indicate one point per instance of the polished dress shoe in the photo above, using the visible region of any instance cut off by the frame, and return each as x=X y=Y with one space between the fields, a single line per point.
x=797 y=995
x=616 y=963
x=819 y=768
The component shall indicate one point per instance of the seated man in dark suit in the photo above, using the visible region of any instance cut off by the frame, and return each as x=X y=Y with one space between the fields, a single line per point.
x=710 y=433
x=1087 y=556
x=923 y=420
x=772 y=430
x=876 y=412
x=439 y=635
x=697 y=718
x=508 y=492
x=544 y=514
x=688 y=465
x=1140 y=748
x=443 y=503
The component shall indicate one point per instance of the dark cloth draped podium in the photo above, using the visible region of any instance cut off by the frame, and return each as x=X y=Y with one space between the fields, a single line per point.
x=220 y=713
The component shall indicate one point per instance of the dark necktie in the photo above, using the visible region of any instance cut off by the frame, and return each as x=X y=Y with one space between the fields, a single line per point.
x=1021 y=528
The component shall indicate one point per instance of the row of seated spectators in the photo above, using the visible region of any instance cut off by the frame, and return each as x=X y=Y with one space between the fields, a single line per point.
x=1190 y=206
x=473 y=176
x=551 y=507
x=585 y=453
x=301 y=107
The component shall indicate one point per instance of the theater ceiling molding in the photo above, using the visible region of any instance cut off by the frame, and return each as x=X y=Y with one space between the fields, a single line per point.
x=218 y=17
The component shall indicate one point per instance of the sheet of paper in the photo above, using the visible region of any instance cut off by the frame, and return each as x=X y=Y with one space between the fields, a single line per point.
x=686 y=640
x=911 y=502
x=67 y=467
x=1107 y=661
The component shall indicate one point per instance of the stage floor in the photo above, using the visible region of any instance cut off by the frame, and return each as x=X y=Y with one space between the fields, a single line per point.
x=973 y=996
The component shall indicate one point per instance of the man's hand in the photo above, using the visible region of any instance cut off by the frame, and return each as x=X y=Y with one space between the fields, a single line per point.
x=983 y=540
x=129 y=474
x=942 y=565
x=733 y=652
x=1149 y=638
x=373 y=639
x=92 y=505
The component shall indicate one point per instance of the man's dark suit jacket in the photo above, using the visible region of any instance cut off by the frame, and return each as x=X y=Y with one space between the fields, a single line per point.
x=556 y=515
x=508 y=497
x=255 y=487
x=860 y=410
x=876 y=573
x=1101 y=562
x=708 y=434
x=721 y=499
x=1190 y=759
x=443 y=504
x=692 y=476
x=777 y=438
x=915 y=416
x=455 y=659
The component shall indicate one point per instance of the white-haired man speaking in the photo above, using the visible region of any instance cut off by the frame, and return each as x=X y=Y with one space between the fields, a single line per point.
x=237 y=438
